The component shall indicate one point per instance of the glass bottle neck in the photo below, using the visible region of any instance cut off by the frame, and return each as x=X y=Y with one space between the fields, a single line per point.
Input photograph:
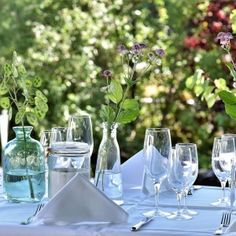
x=109 y=130
x=23 y=132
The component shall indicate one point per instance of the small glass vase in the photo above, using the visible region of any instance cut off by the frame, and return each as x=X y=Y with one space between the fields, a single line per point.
x=23 y=167
x=108 y=170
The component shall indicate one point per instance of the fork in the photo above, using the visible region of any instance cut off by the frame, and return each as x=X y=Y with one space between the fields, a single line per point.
x=29 y=220
x=225 y=221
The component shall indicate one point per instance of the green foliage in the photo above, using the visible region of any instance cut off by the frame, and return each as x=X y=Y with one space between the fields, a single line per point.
x=69 y=43
x=20 y=89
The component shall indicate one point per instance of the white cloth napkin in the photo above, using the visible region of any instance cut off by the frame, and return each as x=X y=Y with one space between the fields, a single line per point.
x=133 y=175
x=80 y=201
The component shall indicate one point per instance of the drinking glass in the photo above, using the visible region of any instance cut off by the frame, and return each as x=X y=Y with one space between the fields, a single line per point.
x=194 y=173
x=219 y=172
x=45 y=140
x=157 y=149
x=58 y=135
x=227 y=162
x=80 y=131
x=179 y=172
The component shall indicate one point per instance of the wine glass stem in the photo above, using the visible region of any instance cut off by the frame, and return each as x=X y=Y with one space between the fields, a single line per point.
x=157 y=191
x=184 y=200
x=178 y=195
x=223 y=184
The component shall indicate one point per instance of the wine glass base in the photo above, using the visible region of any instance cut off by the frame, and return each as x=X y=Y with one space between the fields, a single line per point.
x=156 y=213
x=221 y=202
x=189 y=212
x=179 y=216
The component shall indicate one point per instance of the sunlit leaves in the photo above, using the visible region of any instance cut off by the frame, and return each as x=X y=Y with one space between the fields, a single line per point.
x=23 y=91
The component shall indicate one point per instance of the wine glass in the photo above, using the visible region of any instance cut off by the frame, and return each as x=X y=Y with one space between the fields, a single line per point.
x=227 y=162
x=194 y=158
x=157 y=148
x=219 y=172
x=80 y=137
x=45 y=140
x=179 y=172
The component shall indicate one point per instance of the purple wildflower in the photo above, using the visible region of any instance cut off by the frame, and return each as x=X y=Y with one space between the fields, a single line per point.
x=224 y=38
x=160 y=52
x=142 y=45
x=106 y=73
x=122 y=49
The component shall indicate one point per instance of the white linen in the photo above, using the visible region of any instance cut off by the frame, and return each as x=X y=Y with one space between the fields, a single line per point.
x=133 y=175
x=80 y=201
x=203 y=224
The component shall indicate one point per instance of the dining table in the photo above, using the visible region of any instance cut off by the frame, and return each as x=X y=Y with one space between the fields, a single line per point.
x=135 y=204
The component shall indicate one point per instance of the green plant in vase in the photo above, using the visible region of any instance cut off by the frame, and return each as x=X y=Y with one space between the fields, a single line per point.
x=23 y=157
x=120 y=109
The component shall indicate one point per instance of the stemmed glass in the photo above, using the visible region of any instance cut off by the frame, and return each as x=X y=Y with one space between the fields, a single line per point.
x=80 y=137
x=179 y=171
x=194 y=173
x=157 y=148
x=227 y=161
x=219 y=172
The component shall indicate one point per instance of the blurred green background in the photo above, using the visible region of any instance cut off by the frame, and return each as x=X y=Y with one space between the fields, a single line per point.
x=68 y=43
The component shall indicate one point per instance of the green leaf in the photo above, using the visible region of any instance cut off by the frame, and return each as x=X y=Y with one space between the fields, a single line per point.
x=37 y=82
x=107 y=113
x=131 y=104
x=190 y=82
x=39 y=113
x=126 y=116
x=20 y=115
x=7 y=70
x=211 y=99
x=220 y=84
x=28 y=83
x=5 y=102
x=3 y=89
x=207 y=91
x=227 y=97
x=233 y=20
x=198 y=89
x=39 y=94
x=232 y=70
x=41 y=104
x=115 y=91
x=231 y=110
x=32 y=118
x=197 y=77
x=21 y=70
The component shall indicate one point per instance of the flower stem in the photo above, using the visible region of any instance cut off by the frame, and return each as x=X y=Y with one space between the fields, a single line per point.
x=26 y=165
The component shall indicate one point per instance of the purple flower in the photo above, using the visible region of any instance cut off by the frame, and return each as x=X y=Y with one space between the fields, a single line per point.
x=160 y=52
x=224 y=38
x=142 y=45
x=106 y=73
x=122 y=49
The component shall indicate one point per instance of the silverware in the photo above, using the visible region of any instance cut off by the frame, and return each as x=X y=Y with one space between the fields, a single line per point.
x=29 y=220
x=144 y=221
x=225 y=221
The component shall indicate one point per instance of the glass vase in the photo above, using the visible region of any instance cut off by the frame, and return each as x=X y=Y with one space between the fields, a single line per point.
x=108 y=170
x=23 y=167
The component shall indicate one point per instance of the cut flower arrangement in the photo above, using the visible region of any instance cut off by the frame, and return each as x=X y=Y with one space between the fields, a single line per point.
x=137 y=61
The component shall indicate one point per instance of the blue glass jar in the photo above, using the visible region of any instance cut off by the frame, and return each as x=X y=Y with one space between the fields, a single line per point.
x=23 y=167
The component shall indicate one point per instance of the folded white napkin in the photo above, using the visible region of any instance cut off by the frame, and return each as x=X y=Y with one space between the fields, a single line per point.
x=80 y=201
x=134 y=175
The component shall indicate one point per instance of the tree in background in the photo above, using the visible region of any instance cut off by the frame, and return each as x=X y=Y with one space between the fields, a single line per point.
x=69 y=43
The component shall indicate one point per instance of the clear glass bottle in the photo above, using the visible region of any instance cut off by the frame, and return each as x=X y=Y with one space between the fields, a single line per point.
x=108 y=170
x=23 y=167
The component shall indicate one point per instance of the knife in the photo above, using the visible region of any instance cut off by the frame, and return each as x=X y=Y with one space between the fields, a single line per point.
x=144 y=221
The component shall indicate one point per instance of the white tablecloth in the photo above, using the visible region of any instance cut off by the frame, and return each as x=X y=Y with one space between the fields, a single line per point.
x=207 y=220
